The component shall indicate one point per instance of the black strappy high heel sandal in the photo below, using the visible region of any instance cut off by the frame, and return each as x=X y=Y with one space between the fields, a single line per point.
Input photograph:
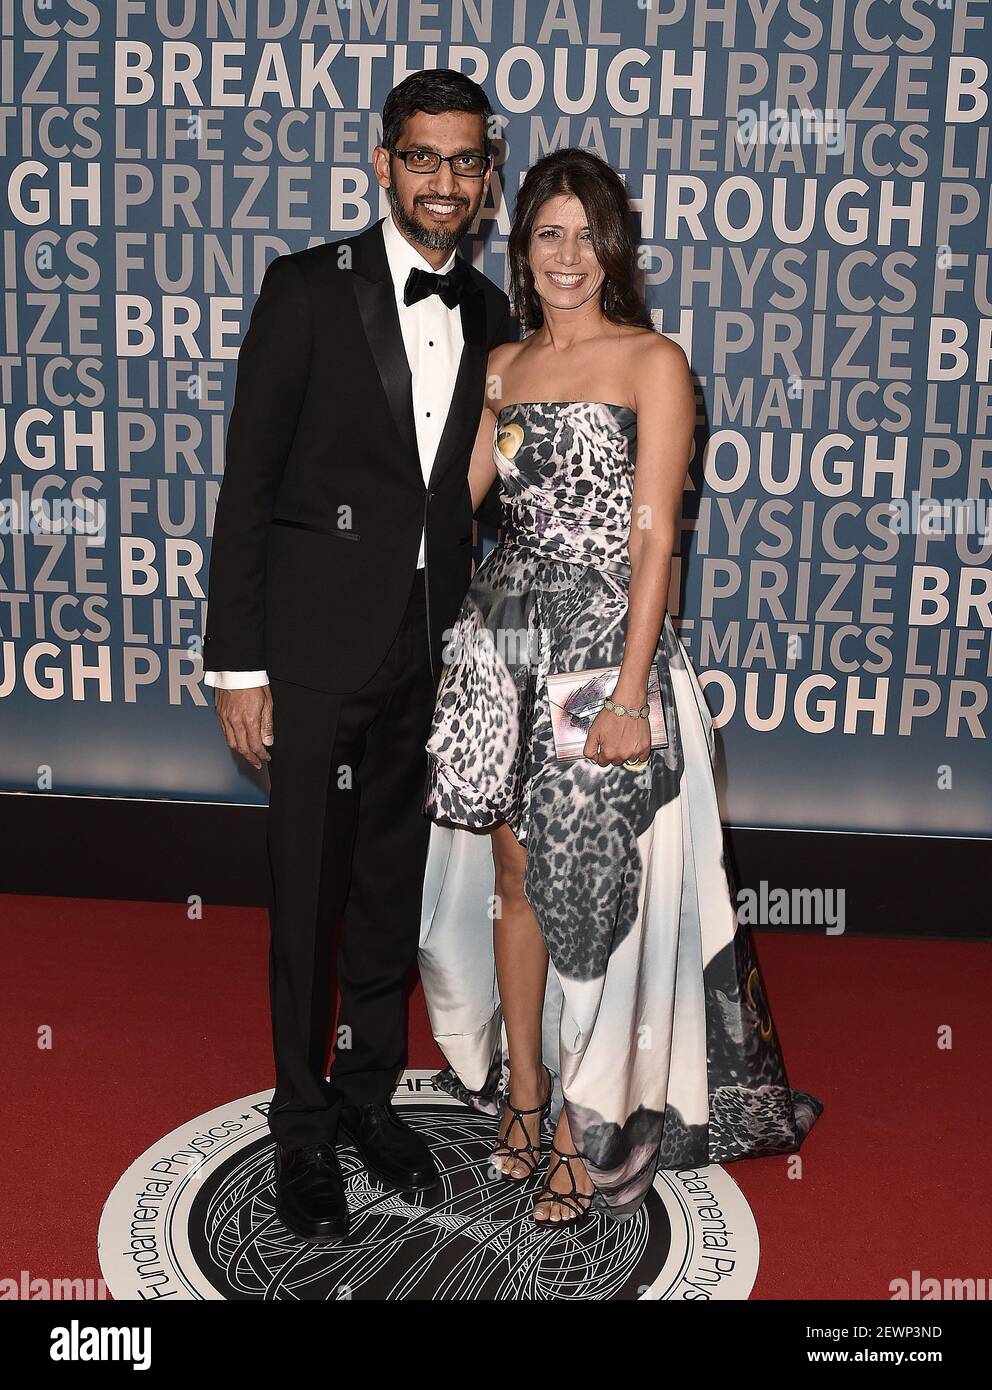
x=575 y=1201
x=527 y=1152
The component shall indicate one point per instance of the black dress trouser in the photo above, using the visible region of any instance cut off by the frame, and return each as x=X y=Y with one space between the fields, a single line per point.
x=347 y=842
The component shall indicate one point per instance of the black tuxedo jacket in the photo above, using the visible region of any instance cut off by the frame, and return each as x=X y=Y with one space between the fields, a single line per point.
x=319 y=517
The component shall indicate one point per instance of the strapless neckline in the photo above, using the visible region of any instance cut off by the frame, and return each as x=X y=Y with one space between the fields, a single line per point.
x=610 y=405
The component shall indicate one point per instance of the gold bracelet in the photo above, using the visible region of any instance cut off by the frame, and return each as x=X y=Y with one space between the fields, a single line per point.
x=641 y=713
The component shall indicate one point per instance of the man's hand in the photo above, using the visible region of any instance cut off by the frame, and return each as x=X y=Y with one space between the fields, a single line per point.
x=246 y=718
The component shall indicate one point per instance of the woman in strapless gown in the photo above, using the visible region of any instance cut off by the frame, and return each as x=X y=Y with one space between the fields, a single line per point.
x=584 y=969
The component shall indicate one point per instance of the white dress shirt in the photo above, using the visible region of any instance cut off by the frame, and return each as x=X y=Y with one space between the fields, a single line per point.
x=432 y=337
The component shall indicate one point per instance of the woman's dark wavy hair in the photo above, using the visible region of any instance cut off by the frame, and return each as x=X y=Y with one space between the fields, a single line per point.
x=603 y=195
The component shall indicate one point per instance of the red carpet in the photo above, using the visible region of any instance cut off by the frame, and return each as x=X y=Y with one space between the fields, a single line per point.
x=155 y=1018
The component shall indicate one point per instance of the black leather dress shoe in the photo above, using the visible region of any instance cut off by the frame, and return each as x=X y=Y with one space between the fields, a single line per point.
x=310 y=1199
x=389 y=1149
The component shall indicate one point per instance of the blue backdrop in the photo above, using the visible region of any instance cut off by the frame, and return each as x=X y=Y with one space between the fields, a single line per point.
x=812 y=194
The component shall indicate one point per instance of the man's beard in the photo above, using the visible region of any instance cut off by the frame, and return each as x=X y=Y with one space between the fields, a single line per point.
x=432 y=238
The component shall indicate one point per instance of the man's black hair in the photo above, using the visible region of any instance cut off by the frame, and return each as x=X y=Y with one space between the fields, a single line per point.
x=434 y=91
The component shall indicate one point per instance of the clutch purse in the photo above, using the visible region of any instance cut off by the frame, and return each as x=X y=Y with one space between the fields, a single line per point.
x=576 y=697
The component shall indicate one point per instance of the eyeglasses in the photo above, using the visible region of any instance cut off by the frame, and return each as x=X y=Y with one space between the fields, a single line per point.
x=466 y=165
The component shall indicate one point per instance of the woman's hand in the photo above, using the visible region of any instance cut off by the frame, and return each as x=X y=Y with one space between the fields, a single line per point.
x=618 y=738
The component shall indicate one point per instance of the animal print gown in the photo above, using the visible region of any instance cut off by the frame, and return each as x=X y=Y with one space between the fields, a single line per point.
x=656 y=1025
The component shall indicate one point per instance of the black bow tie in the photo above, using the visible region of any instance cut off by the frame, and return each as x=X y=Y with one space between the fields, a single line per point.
x=449 y=287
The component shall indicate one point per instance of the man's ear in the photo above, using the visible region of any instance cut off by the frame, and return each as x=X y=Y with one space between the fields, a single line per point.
x=380 y=166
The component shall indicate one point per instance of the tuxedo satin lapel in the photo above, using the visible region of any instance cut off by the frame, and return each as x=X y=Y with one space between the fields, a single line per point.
x=467 y=398
x=377 y=306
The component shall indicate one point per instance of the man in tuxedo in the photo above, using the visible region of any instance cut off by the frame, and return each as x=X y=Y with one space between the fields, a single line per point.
x=341 y=552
